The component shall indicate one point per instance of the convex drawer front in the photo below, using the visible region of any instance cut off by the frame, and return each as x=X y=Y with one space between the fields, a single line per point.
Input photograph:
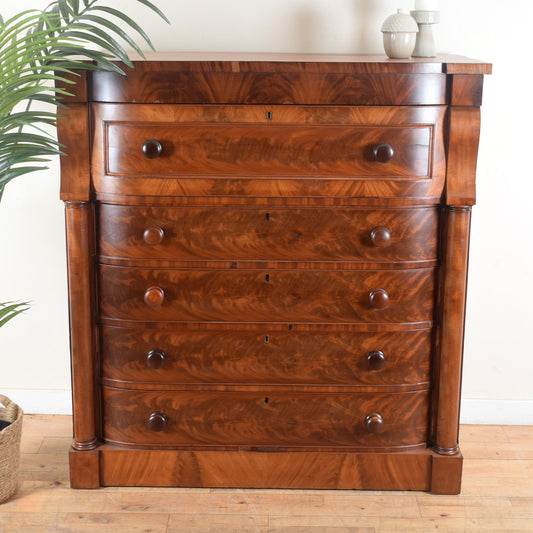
x=259 y=151
x=265 y=418
x=296 y=234
x=268 y=150
x=266 y=355
x=242 y=295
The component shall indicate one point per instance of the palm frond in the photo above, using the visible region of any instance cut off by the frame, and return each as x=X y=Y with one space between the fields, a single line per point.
x=40 y=50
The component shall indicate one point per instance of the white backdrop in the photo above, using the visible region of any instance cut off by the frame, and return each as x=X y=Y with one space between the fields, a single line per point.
x=498 y=371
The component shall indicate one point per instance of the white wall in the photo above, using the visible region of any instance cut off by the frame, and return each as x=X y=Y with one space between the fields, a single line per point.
x=498 y=372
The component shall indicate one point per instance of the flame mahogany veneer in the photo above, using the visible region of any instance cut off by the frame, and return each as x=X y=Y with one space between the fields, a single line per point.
x=267 y=261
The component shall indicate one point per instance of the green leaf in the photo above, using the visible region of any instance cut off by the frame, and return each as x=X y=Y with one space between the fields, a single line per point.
x=115 y=29
x=9 y=310
x=25 y=155
x=17 y=172
x=21 y=137
x=7 y=104
x=26 y=79
x=155 y=9
x=18 y=24
x=64 y=9
x=49 y=99
x=75 y=5
x=100 y=57
x=52 y=18
x=107 y=43
x=28 y=117
x=130 y=22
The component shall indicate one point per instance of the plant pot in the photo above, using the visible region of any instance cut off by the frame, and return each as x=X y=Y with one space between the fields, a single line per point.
x=9 y=447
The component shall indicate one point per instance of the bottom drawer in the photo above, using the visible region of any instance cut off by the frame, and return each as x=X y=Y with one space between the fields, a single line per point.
x=265 y=418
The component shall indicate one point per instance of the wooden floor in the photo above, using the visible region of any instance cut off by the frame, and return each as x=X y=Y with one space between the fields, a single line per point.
x=497 y=496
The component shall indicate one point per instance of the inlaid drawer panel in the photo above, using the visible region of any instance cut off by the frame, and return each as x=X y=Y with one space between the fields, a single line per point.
x=250 y=150
x=265 y=418
x=246 y=295
x=266 y=355
x=274 y=151
x=311 y=234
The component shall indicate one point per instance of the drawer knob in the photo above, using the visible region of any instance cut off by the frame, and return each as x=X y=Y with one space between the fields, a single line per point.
x=383 y=152
x=157 y=421
x=152 y=148
x=153 y=235
x=381 y=236
x=154 y=296
x=379 y=298
x=374 y=423
x=375 y=360
x=155 y=358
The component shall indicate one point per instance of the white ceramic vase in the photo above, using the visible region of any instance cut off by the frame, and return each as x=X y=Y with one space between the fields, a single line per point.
x=399 y=35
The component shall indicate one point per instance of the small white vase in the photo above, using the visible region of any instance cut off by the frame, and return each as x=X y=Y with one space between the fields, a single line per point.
x=425 y=41
x=399 y=35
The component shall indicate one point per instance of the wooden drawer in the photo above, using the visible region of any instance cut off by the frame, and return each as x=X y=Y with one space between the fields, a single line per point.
x=275 y=234
x=278 y=151
x=265 y=418
x=256 y=150
x=247 y=295
x=265 y=355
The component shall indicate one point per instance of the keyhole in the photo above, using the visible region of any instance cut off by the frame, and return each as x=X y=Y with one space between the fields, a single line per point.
x=267 y=216
x=267 y=278
x=266 y=401
x=267 y=339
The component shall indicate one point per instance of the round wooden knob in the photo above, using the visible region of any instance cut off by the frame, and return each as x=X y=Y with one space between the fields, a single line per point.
x=153 y=235
x=374 y=423
x=155 y=358
x=383 y=152
x=381 y=236
x=154 y=296
x=375 y=360
x=379 y=298
x=157 y=421
x=152 y=148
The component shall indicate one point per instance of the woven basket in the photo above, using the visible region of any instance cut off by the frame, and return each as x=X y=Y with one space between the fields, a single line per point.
x=9 y=448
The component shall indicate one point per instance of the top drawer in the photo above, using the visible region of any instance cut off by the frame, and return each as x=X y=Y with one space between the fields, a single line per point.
x=260 y=150
x=268 y=151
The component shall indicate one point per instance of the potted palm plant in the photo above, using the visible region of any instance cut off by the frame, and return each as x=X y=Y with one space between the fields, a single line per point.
x=40 y=53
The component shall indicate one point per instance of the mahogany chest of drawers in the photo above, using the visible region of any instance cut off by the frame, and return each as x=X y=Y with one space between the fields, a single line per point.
x=267 y=262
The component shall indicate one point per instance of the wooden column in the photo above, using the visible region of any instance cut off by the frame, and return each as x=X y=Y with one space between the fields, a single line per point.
x=84 y=455
x=80 y=223
x=452 y=298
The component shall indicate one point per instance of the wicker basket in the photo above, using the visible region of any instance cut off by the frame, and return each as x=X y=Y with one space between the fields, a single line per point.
x=9 y=448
